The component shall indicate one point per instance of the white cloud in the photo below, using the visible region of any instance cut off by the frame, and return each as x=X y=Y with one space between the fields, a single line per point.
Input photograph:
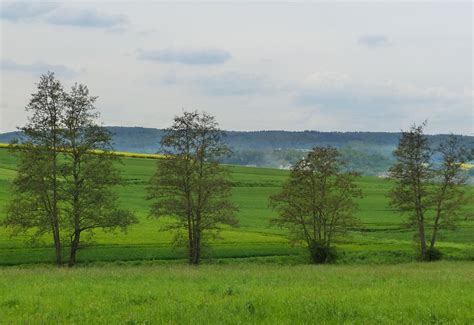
x=89 y=18
x=232 y=84
x=57 y=14
x=340 y=91
x=19 y=11
x=37 y=68
x=191 y=57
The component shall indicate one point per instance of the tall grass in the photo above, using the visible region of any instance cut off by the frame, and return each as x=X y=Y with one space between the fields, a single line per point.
x=432 y=293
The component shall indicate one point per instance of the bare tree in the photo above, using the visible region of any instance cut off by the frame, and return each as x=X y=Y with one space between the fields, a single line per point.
x=190 y=184
x=317 y=202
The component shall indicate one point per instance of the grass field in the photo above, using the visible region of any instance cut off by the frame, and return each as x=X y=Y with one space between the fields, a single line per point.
x=380 y=238
x=252 y=275
x=415 y=293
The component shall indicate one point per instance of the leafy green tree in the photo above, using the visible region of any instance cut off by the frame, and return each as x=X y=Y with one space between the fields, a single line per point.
x=431 y=196
x=190 y=184
x=36 y=189
x=89 y=173
x=63 y=185
x=412 y=172
x=450 y=196
x=317 y=202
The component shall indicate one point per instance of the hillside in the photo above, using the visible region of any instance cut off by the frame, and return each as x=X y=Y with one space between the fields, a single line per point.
x=366 y=152
x=380 y=238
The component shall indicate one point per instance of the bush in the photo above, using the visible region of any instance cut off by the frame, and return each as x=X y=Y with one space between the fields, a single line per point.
x=433 y=254
x=321 y=253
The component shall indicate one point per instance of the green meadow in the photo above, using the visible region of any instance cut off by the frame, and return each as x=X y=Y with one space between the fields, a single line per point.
x=239 y=293
x=380 y=237
x=252 y=274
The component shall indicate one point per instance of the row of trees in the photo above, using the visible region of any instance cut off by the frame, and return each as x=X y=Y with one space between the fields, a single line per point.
x=67 y=171
x=317 y=203
x=66 y=174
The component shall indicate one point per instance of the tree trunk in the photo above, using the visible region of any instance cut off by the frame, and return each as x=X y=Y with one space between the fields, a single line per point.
x=435 y=231
x=55 y=214
x=197 y=249
x=190 y=238
x=421 y=232
x=76 y=209
x=420 y=220
x=57 y=245
x=439 y=207
x=56 y=235
x=74 y=248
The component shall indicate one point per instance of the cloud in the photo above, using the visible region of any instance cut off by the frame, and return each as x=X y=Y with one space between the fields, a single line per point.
x=381 y=107
x=55 y=14
x=350 y=101
x=230 y=84
x=373 y=41
x=89 y=18
x=37 y=68
x=146 y=32
x=16 y=11
x=190 y=57
x=386 y=100
x=326 y=80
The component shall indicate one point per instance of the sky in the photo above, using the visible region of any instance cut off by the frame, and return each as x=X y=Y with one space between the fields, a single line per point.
x=327 y=66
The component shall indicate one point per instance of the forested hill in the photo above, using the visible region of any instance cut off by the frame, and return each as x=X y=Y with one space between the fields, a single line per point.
x=368 y=152
x=147 y=139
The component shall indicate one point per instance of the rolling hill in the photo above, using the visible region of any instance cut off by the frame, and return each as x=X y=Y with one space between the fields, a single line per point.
x=367 y=152
x=380 y=238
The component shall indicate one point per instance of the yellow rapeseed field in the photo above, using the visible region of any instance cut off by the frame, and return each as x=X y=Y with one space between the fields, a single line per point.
x=467 y=166
x=116 y=153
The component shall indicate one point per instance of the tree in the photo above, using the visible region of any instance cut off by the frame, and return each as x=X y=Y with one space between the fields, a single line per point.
x=317 y=202
x=432 y=197
x=449 y=197
x=64 y=185
x=36 y=189
x=190 y=184
x=412 y=172
x=89 y=173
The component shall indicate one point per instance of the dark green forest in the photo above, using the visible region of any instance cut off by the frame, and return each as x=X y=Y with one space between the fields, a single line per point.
x=367 y=152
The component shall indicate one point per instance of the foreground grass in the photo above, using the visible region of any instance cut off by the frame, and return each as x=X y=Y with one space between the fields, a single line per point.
x=240 y=293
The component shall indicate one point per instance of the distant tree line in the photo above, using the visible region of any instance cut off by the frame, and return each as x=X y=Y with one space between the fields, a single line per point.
x=148 y=139
x=64 y=187
x=369 y=153
x=355 y=159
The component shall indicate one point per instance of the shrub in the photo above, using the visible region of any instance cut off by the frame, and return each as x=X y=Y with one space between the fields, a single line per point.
x=321 y=253
x=433 y=254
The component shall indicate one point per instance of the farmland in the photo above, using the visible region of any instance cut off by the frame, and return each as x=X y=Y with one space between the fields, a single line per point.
x=380 y=238
x=251 y=275
x=265 y=162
